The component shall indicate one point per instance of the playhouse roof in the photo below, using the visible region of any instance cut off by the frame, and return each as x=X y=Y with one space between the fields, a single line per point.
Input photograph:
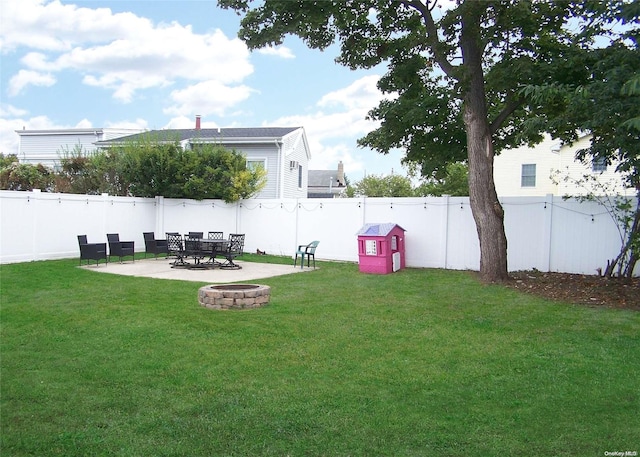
x=378 y=229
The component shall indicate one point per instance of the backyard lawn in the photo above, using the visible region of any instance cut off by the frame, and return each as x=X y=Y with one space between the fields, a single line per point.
x=418 y=363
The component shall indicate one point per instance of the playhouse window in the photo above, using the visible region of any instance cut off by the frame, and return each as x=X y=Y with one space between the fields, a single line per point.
x=370 y=247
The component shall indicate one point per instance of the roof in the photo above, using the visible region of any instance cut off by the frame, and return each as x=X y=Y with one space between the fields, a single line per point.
x=378 y=229
x=233 y=134
x=322 y=178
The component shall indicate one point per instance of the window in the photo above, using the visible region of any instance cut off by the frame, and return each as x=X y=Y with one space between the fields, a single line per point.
x=299 y=176
x=253 y=164
x=528 y=178
x=599 y=165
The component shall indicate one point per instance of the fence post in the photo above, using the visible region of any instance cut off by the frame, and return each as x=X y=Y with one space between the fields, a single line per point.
x=159 y=225
x=445 y=232
x=548 y=230
x=35 y=198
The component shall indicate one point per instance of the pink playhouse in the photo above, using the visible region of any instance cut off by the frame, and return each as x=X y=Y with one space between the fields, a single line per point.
x=381 y=248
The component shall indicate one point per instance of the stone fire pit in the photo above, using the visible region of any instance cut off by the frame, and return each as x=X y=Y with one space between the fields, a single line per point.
x=234 y=296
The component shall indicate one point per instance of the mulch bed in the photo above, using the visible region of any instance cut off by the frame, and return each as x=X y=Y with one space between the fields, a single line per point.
x=579 y=289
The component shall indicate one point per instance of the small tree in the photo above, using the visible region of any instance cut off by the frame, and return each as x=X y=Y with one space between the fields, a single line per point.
x=24 y=176
x=623 y=213
x=78 y=173
x=382 y=186
x=455 y=182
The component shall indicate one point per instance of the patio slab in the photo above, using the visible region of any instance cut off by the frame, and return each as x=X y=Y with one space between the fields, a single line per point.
x=161 y=269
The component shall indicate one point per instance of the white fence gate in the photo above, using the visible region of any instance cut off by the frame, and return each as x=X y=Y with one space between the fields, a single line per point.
x=546 y=233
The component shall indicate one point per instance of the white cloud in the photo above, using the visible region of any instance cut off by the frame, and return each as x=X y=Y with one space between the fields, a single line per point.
x=333 y=129
x=126 y=124
x=209 y=97
x=10 y=110
x=121 y=52
x=26 y=78
x=280 y=51
x=362 y=93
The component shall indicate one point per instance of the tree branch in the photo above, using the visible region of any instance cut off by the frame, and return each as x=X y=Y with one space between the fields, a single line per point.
x=509 y=108
x=432 y=35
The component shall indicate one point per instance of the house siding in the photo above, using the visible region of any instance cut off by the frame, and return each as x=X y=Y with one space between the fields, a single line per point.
x=48 y=147
x=270 y=154
x=294 y=149
x=549 y=157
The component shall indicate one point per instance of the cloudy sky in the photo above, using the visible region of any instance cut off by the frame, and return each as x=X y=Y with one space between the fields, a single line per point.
x=157 y=64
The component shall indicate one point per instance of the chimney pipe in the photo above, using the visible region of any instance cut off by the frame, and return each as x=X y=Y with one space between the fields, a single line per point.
x=341 y=174
x=197 y=122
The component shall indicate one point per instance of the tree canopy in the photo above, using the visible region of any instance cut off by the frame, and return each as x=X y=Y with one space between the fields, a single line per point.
x=457 y=75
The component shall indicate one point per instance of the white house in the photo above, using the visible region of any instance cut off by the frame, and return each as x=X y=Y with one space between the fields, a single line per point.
x=49 y=146
x=527 y=171
x=282 y=151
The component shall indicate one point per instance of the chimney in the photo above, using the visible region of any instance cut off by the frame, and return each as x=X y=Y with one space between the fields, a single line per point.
x=340 y=177
x=197 y=122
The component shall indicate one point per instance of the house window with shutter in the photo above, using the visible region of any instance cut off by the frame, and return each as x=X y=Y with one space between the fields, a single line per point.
x=299 y=176
x=528 y=176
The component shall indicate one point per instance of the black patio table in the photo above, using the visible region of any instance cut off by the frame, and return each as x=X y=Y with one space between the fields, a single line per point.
x=200 y=248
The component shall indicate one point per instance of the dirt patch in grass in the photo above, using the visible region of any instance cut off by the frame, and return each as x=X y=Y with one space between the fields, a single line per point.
x=579 y=289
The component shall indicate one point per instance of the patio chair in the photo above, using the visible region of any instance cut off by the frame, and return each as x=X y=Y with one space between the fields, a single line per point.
x=154 y=246
x=193 y=248
x=175 y=248
x=308 y=250
x=233 y=250
x=196 y=234
x=216 y=235
x=120 y=248
x=214 y=249
x=91 y=251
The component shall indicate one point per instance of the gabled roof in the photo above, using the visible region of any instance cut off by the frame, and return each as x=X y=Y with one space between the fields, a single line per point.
x=378 y=229
x=233 y=135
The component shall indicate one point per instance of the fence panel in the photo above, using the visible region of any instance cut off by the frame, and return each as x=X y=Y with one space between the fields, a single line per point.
x=544 y=233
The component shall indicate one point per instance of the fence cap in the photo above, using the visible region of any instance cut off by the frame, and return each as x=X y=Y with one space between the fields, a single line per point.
x=377 y=229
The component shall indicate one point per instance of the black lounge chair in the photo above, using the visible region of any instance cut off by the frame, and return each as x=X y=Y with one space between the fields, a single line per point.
x=120 y=248
x=92 y=251
x=154 y=246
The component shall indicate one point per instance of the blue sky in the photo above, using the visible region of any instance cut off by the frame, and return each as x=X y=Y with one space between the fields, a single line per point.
x=158 y=64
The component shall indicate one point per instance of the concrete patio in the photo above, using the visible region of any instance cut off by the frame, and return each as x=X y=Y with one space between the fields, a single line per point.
x=160 y=268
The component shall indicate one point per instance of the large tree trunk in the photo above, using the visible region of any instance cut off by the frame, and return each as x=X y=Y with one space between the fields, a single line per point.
x=487 y=211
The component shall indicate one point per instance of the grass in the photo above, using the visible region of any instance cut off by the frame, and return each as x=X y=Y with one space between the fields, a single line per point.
x=417 y=363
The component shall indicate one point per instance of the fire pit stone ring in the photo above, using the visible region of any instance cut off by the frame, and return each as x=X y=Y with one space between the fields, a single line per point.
x=234 y=296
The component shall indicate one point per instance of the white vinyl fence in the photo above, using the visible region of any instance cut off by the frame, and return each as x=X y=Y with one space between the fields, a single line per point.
x=546 y=233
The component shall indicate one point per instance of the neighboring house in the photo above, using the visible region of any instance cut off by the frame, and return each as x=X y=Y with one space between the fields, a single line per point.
x=326 y=183
x=527 y=171
x=282 y=151
x=49 y=146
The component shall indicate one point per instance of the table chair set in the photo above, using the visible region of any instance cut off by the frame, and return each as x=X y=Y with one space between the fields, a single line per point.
x=196 y=252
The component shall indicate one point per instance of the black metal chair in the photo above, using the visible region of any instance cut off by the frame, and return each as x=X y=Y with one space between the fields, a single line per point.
x=308 y=250
x=233 y=250
x=120 y=248
x=175 y=248
x=214 y=249
x=216 y=235
x=154 y=246
x=196 y=234
x=92 y=251
x=193 y=248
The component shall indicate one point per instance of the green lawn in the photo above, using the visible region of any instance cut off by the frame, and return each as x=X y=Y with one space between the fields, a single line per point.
x=418 y=363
